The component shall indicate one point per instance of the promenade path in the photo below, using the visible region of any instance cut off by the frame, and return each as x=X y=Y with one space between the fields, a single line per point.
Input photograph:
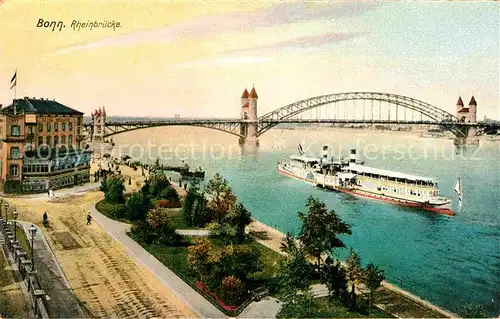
x=63 y=303
x=101 y=273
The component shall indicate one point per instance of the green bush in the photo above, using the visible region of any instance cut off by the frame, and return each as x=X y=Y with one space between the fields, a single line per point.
x=119 y=211
x=141 y=231
x=232 y=290
x=169 y=194
x=113 y=189
x=138 y=206
x=157 y=183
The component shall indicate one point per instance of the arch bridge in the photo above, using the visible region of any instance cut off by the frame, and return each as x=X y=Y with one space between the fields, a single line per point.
x=346 y=108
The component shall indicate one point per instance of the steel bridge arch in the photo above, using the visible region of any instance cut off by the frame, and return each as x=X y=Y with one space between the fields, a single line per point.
x=441 y=117
x=229 y=127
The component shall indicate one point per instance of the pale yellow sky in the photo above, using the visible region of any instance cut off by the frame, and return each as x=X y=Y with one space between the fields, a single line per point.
x=195 y=58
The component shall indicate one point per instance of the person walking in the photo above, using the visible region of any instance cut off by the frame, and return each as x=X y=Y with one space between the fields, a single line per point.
x=89 y=218
x=45 y=219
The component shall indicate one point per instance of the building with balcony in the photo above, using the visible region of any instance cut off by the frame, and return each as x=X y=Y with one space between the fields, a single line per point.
x=41 y=147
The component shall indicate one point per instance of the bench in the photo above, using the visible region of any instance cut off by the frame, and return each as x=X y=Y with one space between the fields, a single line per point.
x=258 y=293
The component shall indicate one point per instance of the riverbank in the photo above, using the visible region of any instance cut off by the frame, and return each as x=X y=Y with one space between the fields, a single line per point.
x=390 y=298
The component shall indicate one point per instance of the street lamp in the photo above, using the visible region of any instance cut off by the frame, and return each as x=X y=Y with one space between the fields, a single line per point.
x=15 y=225
x=32 y=230
x=6 y=210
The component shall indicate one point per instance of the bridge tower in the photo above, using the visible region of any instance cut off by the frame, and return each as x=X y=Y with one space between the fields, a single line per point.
x=248 y=114
x=467 y=115
x=99 y=120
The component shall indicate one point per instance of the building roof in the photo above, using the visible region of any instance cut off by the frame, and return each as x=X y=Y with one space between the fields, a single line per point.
x=245 y=94
x=472 y=101
x=39 y=106
x=253 y=94
x=303 y=158
x=460 y=102
x=464 y=110
x=245 y=105
x=371 y=170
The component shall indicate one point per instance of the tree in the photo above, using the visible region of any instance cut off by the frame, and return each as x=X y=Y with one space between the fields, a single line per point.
x=157 y=183
x=297 y=304
x=223 y=231
x=170 y=194
x=199 y=213
x=239 y=218
x=334 y=277
x=233 y=290
x=204 y=260
x=354 y=274
x=221 y=199
x=320 y=229
x=160 y=224
x=114 y=189
x=294 y=270
x=373 y=277
x=288 y=244
x=138 y=206
x=142 y=231
x=193 y=207
x=239 y=261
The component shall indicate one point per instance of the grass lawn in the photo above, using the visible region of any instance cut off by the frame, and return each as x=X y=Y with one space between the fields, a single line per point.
x=107 y=209
x=333 y=309
x=175 y=258
x=270 y=260
x=174 y=214
x=23 y=240
x=177 y=220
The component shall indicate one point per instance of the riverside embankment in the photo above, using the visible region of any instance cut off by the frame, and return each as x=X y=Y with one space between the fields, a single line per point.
x=391 y=298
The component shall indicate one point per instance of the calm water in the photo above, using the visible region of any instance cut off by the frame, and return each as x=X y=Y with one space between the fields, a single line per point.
x=450 y=261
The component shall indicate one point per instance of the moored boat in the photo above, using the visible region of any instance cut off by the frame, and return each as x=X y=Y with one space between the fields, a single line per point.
x=356 y=179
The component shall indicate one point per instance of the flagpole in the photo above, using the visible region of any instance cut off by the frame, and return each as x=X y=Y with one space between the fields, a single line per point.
x=15 y=89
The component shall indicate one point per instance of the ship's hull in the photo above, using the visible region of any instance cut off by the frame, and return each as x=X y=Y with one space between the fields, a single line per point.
x=298 y=175
x=443 y=208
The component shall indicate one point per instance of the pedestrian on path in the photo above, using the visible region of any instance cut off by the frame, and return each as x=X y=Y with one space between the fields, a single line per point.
x=45 y=220
x=89 y=218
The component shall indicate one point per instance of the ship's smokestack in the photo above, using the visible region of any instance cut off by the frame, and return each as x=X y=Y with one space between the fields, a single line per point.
x=352 y=156
x=325 y=152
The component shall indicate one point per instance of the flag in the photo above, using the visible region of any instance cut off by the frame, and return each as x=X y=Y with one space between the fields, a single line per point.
x=458 y=191
x=13 y=81
x=301 y=150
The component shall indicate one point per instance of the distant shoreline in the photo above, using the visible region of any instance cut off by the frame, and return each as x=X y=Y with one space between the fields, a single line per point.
x=414 y=132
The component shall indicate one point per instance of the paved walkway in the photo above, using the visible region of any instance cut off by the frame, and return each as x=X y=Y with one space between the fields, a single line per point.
x=60 y=297
x=267 y=307
x=61 y=192
x=193 y=232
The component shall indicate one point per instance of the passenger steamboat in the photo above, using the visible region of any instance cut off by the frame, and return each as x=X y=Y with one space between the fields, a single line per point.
x=351 y=177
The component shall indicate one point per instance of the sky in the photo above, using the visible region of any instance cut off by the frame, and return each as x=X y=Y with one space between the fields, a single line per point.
x=196 y=58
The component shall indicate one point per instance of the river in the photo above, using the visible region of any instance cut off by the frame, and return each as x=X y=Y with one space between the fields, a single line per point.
x=450 y=261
